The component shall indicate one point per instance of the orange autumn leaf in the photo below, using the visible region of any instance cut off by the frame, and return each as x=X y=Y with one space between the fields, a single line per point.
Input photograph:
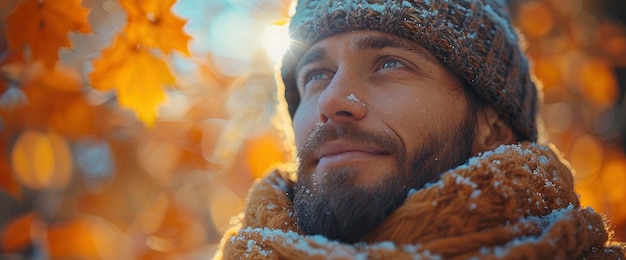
x=52 y=99
x=136 y=75
x=16 y=235
x=43 y=26
x=152 y=24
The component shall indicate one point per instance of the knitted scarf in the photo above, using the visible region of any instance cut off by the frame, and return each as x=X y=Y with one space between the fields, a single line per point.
x=517 y=201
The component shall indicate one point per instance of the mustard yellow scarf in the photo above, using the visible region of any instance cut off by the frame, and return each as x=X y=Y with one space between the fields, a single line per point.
x=517 y=201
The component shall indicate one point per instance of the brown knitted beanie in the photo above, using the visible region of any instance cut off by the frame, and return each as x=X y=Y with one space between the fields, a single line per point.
x=474 y=38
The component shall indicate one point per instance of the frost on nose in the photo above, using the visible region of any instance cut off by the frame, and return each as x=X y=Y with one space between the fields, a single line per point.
x=353 y=98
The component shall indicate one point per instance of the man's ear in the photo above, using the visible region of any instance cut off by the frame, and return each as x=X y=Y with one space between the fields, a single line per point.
x=491 y=131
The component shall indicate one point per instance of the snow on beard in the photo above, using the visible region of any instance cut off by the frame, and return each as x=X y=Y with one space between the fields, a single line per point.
x=340 y=210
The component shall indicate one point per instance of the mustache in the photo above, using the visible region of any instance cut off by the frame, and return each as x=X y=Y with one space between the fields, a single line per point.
x=323 y=133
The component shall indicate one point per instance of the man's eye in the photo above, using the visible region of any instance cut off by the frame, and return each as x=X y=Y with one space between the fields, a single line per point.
x=318 y=75
x=390 y=64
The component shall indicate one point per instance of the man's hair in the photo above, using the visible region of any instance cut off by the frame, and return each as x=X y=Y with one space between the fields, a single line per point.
x=474 y=101
x=474 y=38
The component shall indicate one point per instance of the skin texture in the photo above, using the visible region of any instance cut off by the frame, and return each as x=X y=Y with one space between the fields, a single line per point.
x=379 y=115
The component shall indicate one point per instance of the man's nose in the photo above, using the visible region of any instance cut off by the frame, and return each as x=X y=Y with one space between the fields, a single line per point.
x=340 y=101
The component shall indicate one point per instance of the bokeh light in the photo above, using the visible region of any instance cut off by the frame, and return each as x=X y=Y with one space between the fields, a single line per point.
x=276 y=41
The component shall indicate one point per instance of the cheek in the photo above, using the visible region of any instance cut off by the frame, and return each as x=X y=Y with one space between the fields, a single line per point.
x=413 y=118
x=303 y=122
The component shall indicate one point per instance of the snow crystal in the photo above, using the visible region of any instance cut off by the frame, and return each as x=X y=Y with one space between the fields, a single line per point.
x=475 y=194
x=282 y=185
x=426 y=14
x=294 y=240
x=319 y=239
x=465 y=180
x=265 y=252
x=428 y=255
x=388 y=245
x=433 y=184
x=270 y=206
x=353 y=98
x=503 y=22
x=549 y=219
x=411 y=249
x=251 y=244
x=408 y=4
x=376 y=7
x=411 y=192
x=543 y=160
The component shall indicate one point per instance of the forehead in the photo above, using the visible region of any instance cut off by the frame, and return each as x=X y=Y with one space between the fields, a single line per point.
x=360 y=41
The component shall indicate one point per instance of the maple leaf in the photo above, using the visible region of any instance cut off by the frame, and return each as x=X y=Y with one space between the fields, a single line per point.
x=43 y=26
x=152 y=24
x=51 y=100
x=136 y=75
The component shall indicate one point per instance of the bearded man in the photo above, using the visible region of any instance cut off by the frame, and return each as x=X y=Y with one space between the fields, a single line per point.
x=415 y=126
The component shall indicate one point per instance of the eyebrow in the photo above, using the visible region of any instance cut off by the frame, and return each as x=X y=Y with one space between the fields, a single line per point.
x=366 y=43
x=315 y=54
x=378 y=42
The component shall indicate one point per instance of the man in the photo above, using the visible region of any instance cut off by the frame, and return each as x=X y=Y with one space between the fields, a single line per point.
x=416 y=136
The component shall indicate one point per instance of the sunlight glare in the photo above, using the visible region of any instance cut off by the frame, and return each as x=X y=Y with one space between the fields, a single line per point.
x=276 y=41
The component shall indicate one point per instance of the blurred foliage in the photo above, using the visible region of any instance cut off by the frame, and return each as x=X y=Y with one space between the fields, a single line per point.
x=578 y=50
x=134 y=128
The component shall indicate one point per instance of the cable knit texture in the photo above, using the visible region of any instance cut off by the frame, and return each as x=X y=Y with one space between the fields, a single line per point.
x=474 y=38
x=516 y=202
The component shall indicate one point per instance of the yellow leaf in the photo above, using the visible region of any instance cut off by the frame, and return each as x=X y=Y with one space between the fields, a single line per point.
x=43 y=26
x=136 y=75
x=152 y=24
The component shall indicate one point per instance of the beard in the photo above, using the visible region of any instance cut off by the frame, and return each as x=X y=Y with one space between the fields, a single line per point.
x=339 y=209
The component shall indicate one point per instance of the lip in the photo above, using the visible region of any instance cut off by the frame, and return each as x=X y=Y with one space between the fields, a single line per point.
x=344 y=151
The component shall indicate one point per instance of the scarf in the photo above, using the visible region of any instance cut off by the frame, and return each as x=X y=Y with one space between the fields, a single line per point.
x=516 y=201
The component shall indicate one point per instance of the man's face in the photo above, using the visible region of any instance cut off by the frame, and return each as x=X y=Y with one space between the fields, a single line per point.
x=379 y=115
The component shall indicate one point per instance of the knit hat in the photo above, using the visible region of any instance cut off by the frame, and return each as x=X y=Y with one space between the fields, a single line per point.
x=474 y=38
